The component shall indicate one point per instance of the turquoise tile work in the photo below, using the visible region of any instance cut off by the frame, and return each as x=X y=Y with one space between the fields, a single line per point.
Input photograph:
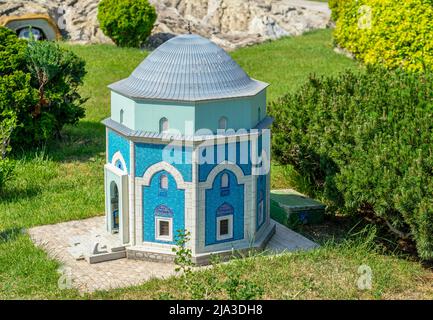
x=117 y=143
x=217 y=197
x=211 y=156
x=148 y=154
x=154 y=201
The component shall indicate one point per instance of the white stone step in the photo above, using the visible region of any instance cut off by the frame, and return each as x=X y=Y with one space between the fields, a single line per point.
x=96 y=258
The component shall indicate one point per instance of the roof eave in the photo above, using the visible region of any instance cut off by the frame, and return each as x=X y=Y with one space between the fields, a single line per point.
x=124 y=93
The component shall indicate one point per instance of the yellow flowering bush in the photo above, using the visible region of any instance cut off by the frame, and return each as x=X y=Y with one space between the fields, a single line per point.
x=393 y=33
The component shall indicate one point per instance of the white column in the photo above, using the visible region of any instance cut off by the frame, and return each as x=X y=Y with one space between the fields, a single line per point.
x=253 y=196
x=132 y=193
x=192 y=219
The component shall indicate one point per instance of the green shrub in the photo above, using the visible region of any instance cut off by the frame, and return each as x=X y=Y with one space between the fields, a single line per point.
x=400 y=34
x=364 y=142
x=127 y=22
x=8 y=123
x=39 y=83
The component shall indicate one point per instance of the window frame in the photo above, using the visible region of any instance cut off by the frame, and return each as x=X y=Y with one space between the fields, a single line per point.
x=159 y=237
x=229 y=235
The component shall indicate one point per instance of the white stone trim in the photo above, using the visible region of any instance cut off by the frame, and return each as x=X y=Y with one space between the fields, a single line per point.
x=118 y=157
x=225 y=165
x=106 y=145
x=122 y=185
x=168 y=238
x=160 y=166
x=132 y=193
x=191 y=213
x=229 y=235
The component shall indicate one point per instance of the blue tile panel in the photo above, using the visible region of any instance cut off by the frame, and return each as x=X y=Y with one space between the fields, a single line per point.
x=118 y=143
x=238 y=152
x=215 y=201
x=170 y=204
x=147 y=154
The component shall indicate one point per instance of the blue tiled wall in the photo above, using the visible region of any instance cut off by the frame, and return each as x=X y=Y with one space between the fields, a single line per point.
x=214 y=200
x=206 y=168
x=118 y=143
x=174 y=199
x=147 y=155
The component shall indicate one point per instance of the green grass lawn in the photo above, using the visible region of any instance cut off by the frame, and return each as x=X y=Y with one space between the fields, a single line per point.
x=64 y=181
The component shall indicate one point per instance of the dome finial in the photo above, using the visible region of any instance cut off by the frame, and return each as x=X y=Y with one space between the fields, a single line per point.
x=189 y=27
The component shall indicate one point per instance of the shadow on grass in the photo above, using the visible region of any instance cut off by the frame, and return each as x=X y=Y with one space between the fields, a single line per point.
x=335 y=228
x=80 y=142
x=10 y=234
x=12 y=193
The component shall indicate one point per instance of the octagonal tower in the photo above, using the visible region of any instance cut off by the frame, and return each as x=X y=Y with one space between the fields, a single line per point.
x=188 y=149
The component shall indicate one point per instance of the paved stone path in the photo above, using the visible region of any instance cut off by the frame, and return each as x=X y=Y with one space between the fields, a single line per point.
x=56 y=240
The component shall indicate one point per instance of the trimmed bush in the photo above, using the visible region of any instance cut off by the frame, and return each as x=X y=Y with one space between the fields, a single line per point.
x=39 y=84
x=7 y=125
x=364 y=142
x=127 y=22
x=396 y=34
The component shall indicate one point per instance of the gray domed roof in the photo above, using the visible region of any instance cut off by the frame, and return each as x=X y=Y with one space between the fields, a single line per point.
x=188 y=68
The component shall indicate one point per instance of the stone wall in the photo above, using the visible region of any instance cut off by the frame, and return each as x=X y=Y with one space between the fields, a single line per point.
x=229 y=23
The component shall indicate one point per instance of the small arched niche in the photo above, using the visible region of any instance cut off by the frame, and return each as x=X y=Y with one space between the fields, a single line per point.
x=222 y=123
x=163 y=125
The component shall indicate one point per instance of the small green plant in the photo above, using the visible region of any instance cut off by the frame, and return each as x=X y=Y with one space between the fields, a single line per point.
x=127 y=22
x=207 y=285
x=183 y=254
x=195 y=288
x=237 y=288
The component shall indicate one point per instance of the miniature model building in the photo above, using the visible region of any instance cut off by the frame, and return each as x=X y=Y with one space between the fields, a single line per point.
x=185 y=131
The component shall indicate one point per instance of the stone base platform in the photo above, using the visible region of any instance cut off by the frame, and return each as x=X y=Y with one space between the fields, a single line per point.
x=57 y=240
x=143 y=253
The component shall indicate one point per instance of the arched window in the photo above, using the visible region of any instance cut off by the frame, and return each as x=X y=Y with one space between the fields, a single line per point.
x=222 y=123
x=225 y=180
x=225 y=184
x=114 y=201
x=163 y=125
x=163 y=182
x=119 y=165
x=163 y=185
x=121 y=116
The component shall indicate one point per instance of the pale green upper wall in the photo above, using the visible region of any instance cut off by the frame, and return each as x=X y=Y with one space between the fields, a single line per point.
x=139 y=115
x=119 y=102
x=148 y=115
x=187 y=118
x=241 y=113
